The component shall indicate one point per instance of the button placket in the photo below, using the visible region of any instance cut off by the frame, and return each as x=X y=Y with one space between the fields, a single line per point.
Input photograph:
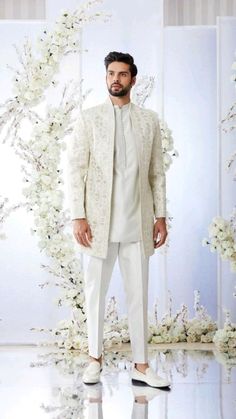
x=120 y=138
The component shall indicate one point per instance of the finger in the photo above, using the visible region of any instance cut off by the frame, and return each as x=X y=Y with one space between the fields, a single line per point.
x=89 y=233
x=160 y=233
x=80 y=239
x=84 y=240
x=161 y=239
x=161 y=242
x=155 y=234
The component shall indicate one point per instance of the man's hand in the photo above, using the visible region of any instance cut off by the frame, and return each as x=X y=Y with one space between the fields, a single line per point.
x=82 y=231
x=159 y=232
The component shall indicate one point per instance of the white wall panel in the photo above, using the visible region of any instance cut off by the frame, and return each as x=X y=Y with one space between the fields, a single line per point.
x=226 y=28
x=190 y=111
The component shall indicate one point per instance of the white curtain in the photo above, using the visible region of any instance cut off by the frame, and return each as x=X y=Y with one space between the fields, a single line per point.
x=22 y=9
x=196 y=12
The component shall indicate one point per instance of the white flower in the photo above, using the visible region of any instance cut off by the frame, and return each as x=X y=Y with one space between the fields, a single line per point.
x=205 y=242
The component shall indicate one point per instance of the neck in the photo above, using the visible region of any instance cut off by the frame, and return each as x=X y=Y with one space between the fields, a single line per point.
x=123 y=100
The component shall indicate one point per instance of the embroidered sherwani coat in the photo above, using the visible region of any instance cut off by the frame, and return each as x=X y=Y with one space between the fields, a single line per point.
x=90 y=173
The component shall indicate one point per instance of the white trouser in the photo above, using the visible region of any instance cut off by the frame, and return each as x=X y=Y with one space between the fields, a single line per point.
x=134 y=269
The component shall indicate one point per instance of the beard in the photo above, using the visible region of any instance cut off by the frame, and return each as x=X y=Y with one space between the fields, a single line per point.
x=119 y=93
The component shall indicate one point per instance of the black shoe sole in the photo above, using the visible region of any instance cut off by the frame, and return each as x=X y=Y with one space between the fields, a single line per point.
x=139 y=383
x=143 y=383
x=91 y=384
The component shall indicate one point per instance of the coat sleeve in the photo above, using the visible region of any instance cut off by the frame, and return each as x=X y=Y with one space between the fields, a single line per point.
x=77 y=168
x=157 y=178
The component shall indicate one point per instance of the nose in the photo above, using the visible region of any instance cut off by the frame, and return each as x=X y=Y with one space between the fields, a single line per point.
x=116 y=79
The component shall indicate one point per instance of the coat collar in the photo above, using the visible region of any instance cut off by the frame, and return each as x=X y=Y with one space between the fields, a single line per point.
x=134 y=113
x=108 y=103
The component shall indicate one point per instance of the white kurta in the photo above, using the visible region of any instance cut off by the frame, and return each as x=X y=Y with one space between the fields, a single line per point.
x=125 y=204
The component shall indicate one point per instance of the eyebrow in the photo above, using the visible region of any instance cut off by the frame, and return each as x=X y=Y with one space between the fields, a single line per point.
x=112 y=71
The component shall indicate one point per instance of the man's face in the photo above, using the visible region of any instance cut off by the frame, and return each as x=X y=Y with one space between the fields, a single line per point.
x=118 y=79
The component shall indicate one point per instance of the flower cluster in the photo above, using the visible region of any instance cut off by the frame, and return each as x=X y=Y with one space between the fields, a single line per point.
x=38 y=71
x=40 y=63
x=180 y=328
x=66 y=335
x=225 y=339
x=222 y=238
x=44 y=197
x=116 y=329
x=167 y=145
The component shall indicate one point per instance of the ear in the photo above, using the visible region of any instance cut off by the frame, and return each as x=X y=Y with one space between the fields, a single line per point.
x=133 y=81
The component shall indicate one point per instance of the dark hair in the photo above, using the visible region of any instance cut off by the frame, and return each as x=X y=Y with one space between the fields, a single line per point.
x=123 y=58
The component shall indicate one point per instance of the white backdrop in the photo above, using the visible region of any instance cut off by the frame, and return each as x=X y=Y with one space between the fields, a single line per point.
x=184 y=63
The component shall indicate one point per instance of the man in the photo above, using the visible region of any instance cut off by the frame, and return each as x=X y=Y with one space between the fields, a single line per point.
x=118 y=208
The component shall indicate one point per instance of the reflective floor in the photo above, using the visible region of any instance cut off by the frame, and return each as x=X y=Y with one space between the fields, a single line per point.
x=38 y=383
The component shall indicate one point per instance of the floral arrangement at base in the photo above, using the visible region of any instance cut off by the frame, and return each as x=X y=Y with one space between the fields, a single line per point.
x=66 y=335
x=225 y=339
x=182 y=329
x=171 y=329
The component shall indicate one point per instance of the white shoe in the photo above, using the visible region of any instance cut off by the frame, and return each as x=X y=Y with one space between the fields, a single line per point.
x=91 y=374
x=149 y=378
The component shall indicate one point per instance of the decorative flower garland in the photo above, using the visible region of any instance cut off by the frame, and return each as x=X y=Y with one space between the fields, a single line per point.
x=41 y=153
